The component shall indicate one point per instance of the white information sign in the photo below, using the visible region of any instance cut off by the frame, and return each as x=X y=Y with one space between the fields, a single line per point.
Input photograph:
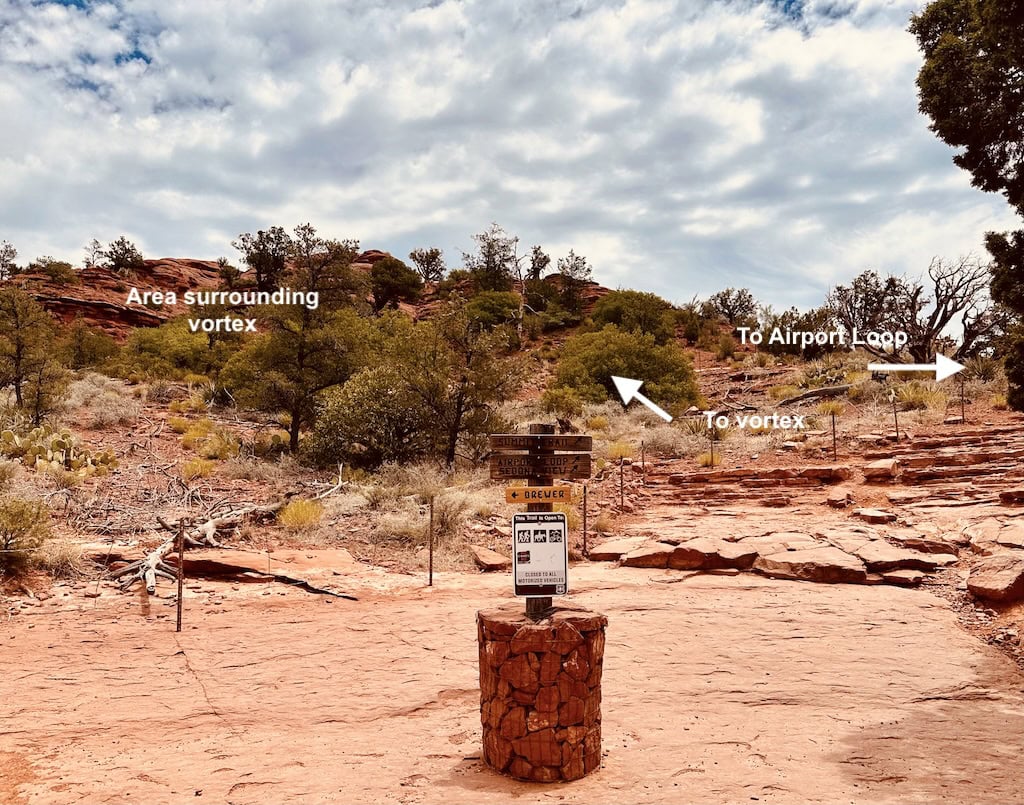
x=540 y=554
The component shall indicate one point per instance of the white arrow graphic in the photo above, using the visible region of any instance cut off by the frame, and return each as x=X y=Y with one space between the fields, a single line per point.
x=630 y=390
x=943 y=367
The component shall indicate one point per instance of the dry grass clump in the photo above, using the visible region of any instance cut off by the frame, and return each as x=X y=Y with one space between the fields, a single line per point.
x=192 y=405
x=403 y=528
x=616 y=450
x=60 y=558
x=178 y=424
x=783 y=392
x=603 y=524
x=99 y=402
x=999 y=402
x=196 y=468
x=245 y=468
x=301 y=515
x=210 y=440
x=667 y=441
x=708 y=460
x=830 y=407
x=919 y=395
x=8 y=471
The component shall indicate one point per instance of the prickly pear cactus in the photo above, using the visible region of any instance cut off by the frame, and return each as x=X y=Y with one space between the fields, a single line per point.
x=44 y=450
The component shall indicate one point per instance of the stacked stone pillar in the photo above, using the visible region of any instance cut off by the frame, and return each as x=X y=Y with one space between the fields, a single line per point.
x=540 y=692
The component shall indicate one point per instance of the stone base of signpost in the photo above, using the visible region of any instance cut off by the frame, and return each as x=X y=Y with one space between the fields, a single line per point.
x=540 y=692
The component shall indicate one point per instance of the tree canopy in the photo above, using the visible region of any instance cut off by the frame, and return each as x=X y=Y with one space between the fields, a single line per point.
x=971 y=85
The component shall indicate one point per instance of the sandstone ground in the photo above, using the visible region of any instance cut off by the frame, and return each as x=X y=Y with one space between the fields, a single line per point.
x=716 y=689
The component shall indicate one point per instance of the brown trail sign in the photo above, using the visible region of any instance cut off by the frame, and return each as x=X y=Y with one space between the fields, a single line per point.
x=535 y=456
x=504 y=442
x=525 y=465
x=538 y=494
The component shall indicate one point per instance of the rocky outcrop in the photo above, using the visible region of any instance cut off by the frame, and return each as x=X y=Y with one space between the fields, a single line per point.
x=99 y=297
x=614 y=549
x=839 y=498
x=712 y=554
x=829 y=565
x=874 y=515
x=884 y=469
x=998 y=578
x=880 y=556
x=653 y=554
x=488 y=560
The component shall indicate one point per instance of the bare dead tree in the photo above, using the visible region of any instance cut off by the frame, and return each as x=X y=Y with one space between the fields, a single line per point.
x=957 y=288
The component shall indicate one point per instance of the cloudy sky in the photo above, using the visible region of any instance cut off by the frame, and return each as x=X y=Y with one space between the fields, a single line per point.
x=682 y=146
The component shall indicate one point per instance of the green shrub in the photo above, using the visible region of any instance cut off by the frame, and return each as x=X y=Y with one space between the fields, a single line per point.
x=171 y=350
x=493 y=308
x=84 y=346
x=24 y=528
x=636 y=311
x=726 y=347
x=589 y=360
x=370 y=420
x=58 y=271
x=562 y=401
x=392 y=281
x=982 y=368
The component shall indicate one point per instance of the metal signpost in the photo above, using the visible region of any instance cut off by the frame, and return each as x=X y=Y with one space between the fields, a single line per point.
x=540 y=566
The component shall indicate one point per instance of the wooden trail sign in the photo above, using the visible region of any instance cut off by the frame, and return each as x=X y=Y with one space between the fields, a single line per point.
x=538 y=494
x=540 y=537
x=553 y=465
x=533 y=442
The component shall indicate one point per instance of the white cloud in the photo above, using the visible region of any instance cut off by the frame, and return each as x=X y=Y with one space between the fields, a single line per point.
x=681 y=147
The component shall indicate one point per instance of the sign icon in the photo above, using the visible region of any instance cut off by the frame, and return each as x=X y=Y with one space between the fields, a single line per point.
x=630 y=390
x=943 y=367
x=543 y=570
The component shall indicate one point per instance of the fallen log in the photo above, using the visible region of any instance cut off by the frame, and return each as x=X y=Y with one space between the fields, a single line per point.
x=203 y=535
x=827 y=391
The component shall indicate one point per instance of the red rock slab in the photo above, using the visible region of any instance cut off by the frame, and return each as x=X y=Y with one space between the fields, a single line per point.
x=704 y=553
x=651 y=555
x=839 y=498
x=829 y=565
x=1011 y=535
x=903 y=578
x=874 y=515
x=880 y=556
x=612 y=550
x=884 y=469
x=998 y=578
x=488 y=560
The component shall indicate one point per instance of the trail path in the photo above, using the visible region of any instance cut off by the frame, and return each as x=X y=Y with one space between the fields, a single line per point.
x=716 y=689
